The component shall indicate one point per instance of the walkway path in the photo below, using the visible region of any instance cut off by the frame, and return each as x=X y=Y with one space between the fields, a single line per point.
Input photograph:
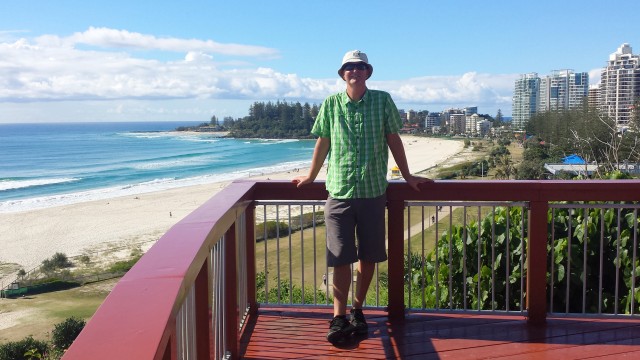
x=417 y=227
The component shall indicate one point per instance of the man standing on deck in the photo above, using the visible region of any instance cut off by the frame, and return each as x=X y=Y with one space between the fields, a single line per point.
x=356 y=128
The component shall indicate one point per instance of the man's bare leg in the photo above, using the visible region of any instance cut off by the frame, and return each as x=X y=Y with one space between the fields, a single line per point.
x=363 y=280
x=341 y=284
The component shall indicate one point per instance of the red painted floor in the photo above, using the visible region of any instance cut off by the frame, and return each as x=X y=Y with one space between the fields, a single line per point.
x=299 y=333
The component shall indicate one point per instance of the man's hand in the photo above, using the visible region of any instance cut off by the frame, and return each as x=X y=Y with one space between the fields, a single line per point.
x=414 y=181
x=302 y=180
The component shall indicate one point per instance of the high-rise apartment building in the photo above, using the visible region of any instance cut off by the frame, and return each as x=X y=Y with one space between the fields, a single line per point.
x=594 y=98
x=471 y=124
x=563 y=90
x=433 y=119
x=620 y=85
x=457 y=123
x=525 y=99
x=470 y=110
x=483 y=128
x=411 y=115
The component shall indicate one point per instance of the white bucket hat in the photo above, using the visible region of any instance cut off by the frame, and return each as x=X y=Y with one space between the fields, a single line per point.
x=355 y=56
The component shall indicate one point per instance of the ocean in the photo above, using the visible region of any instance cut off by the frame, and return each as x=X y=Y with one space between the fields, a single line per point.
x=46 y=165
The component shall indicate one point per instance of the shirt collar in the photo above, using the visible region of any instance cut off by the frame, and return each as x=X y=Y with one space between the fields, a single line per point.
x=344 y=98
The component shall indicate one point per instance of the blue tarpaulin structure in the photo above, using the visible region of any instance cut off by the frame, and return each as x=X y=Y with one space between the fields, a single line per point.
x=573 y=159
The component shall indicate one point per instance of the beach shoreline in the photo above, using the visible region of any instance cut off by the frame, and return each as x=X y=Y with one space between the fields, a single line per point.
x=30 y=237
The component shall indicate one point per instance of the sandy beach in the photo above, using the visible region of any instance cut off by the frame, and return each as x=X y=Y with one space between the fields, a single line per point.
x=28 y=238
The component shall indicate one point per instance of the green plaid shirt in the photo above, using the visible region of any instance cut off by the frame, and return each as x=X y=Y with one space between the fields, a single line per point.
x=357 y=166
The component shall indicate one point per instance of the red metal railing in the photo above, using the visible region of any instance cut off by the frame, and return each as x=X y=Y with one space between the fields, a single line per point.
x=144 y=315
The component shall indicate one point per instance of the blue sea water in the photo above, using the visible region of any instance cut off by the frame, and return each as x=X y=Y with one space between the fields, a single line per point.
x=45 y=165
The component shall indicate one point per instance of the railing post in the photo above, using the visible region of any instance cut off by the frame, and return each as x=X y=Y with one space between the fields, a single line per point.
x=202 y=296
x=537 y=262
x=395 y=232
x=231 y=292
x=251 y=256
x=170 y=349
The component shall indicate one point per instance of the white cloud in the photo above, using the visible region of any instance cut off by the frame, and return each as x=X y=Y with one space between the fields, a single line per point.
x=53 y=68
x=197 y=56
x=594 y=77
x=113 y=38
x=468 y=89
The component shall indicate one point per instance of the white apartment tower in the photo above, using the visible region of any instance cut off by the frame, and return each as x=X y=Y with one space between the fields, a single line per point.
x=471 y=124
x=563 y=90
x=525 y=99
x=620 y=85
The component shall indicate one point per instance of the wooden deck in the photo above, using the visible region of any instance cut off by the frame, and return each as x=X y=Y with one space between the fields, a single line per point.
x=299 y=333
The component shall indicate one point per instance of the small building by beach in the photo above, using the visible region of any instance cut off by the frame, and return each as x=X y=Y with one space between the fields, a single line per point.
x=395 y=173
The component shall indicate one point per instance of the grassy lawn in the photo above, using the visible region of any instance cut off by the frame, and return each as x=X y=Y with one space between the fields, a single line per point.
x=36 y=315
x=292 y=256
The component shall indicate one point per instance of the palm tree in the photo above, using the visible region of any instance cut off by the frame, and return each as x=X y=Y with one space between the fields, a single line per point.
x=504 y=167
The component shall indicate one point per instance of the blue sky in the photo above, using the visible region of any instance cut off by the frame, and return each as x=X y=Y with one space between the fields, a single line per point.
x=168 y=60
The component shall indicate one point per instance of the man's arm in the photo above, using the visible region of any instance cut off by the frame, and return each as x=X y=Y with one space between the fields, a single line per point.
x=319 y=154
x=397 y=150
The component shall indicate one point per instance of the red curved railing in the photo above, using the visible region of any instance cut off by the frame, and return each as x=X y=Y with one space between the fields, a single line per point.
x=167 y=303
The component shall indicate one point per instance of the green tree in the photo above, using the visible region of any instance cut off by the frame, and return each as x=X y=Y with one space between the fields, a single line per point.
x=504 y=167
x=596 y=138
x=535 y=154
x=530 y=170
x=276 y=120
x=228 y=122
x=499 y=119
x=57 y=261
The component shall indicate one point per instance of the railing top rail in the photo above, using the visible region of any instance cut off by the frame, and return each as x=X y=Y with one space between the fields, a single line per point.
x=134 y=321
x=474 y=190
x=519 y=190
x=466 y=203
x=290 y=202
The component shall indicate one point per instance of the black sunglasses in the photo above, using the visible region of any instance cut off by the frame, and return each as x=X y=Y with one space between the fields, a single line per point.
x=353 y=66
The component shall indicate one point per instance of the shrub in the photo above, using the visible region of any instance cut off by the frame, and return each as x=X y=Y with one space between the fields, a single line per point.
x=273 y=229
x=285 y=292
x=281 y=228
x=136 y=252
x=61 y=261
x=57 y=261
x=429 y=277
x=611 y=270
x=592 y=252
x=85 y=259
x=16 y=350
x=65 y=333
x=124 y=266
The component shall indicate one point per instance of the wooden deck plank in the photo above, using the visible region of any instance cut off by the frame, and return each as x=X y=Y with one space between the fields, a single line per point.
x=300 y=333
